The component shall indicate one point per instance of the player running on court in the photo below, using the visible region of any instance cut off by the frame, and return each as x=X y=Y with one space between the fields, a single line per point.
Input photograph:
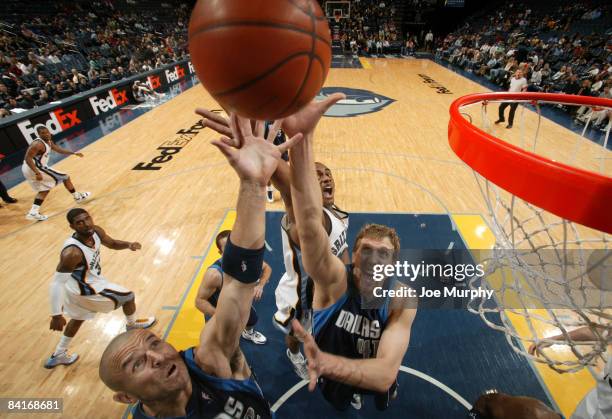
x=80 y=291
x=41 y=177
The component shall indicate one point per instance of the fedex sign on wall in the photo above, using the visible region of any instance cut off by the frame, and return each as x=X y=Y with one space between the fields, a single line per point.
x=116 y=97
x=58 y=121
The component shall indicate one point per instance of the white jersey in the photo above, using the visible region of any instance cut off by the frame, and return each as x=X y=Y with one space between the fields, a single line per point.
x=40 y=160
x=87 y=277
x=291 y=289
x=597 y=404
x=50 y=177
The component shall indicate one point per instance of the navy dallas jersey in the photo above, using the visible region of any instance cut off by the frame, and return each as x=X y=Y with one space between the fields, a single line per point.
x=350 y=331
x=217 y=398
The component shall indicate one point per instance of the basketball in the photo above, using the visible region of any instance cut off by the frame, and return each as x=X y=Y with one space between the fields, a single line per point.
x=263 y=59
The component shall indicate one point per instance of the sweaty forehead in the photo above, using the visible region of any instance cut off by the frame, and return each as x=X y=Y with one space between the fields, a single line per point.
x=384 y=242
x=321 y=166
x=130 y=343
x=82 y=216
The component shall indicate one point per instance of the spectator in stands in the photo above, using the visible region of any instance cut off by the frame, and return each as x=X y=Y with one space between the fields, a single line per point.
x=70 y=40
x=429 y=41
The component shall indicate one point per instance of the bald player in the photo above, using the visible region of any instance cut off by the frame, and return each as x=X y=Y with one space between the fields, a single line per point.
x=213 y=379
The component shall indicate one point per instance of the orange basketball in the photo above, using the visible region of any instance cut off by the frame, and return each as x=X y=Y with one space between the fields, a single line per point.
x=263 y=59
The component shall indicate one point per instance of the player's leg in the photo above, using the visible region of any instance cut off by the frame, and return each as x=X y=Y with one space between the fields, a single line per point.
x=126 y=299
x=34 y=213
x=286 y=297
x=249 y=332
x=61 y=356
x=78 y=196
x=296 y=357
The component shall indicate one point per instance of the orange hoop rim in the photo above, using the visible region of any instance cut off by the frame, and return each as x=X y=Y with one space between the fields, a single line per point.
x=569 y=192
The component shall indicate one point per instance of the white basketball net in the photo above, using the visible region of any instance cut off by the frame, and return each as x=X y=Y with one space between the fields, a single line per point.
x=548 y=273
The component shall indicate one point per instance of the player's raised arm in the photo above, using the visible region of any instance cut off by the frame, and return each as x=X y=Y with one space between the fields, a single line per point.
x=280 y=178
x=115 y=244
x=319 y=262
x=254 y=160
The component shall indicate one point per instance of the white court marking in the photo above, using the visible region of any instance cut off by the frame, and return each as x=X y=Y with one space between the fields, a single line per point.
x=407 y=370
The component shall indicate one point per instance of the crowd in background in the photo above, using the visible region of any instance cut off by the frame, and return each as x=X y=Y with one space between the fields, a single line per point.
x=556 y=49
x=70 y=49
x=372 y=27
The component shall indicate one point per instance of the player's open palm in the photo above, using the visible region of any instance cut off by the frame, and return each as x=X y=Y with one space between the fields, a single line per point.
x=253 y=158
x=306 y=119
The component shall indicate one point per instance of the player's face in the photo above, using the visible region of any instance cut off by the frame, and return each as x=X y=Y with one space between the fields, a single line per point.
x=83 y=224
x=371 y=251
x=326 y=181
x=44 y=134
x=149 y=368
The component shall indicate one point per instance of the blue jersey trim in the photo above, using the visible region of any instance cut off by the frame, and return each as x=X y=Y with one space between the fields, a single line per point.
x=249 y=385
x=320 y=317
x=217 y=265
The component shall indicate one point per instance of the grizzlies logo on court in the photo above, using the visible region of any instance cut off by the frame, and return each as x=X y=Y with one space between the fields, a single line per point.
x=357 y=102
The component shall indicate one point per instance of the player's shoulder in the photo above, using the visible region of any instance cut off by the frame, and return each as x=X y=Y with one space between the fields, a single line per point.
x=216 y=266
x=71 y=252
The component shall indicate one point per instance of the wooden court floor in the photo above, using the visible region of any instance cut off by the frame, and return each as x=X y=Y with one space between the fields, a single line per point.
x=393 y=160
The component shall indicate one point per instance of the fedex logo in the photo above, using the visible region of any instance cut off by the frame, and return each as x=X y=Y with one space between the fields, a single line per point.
x=153 y=82
x=58 y=121
x=177 y=74
x=115 y=98
x=191 y=68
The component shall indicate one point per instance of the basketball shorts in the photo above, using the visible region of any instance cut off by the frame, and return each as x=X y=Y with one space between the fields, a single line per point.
x=286 y=295
x=85 y=307
x=50 y=178
x=293 y=301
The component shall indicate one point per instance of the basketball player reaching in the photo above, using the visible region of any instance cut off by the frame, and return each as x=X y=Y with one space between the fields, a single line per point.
x=80 y=291
x=210 y=288
x=213 y=379
x=41 y=177
x=494 y=405
x=291 y=287
x=346 y=359
x=597 y=404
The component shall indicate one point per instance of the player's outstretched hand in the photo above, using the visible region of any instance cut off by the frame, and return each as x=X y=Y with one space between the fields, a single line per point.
x=135 y=246
x=253 y=158
x=306 y=119
x=314 y=355
x=57 y=323
x=216 y=122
